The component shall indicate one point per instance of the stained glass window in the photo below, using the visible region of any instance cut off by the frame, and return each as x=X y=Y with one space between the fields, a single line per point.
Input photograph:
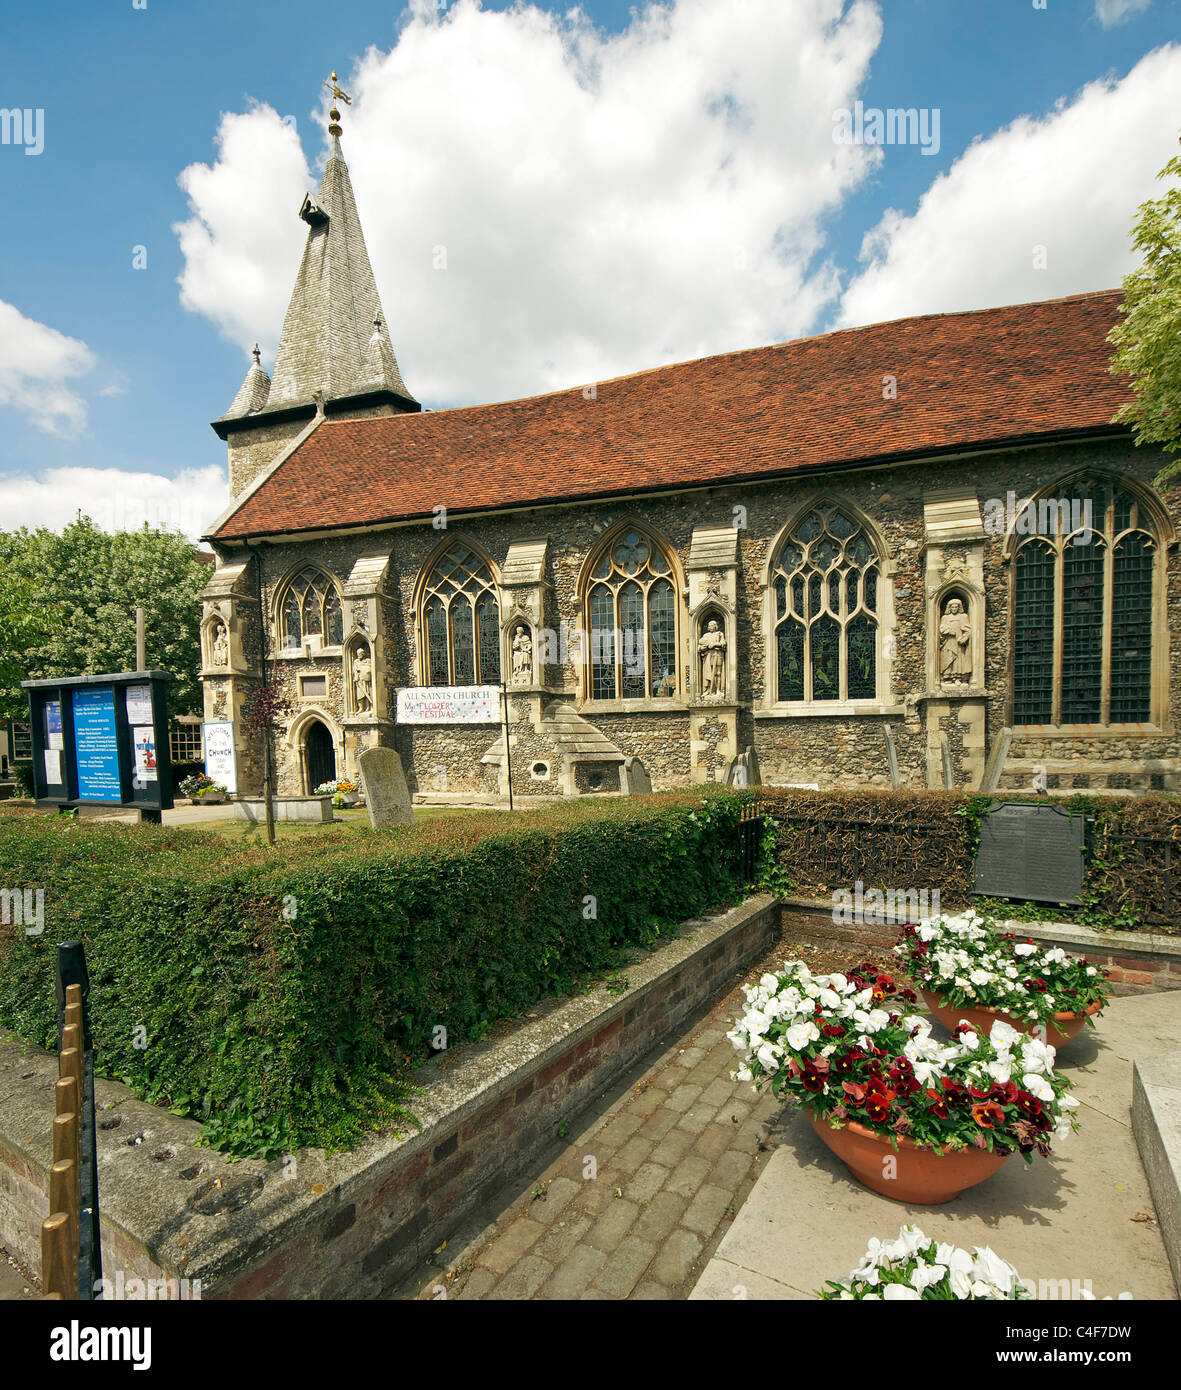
x=1082 y=609
x=461 y=620
x=631 y=616
x=826 y=623
x=310 y=607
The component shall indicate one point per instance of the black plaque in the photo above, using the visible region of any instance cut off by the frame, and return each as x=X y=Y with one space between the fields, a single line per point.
x=1029 y=851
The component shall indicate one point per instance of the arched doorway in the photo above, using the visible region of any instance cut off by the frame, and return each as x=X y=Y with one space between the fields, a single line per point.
x=319 y=756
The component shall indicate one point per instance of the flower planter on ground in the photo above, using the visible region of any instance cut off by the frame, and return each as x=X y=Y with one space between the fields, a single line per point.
x=967 y=968
x=924 y=1177
x=1059 y=1031
x=912 y=1117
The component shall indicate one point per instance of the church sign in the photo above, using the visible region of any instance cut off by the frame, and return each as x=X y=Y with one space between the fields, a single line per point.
x=217 y=735
x=102 y=740
x=449 y=704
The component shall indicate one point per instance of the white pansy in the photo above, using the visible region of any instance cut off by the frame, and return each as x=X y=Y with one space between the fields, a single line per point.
x=1055 y=957
x=829 y=999
x=892 y=1293
x=1037 y=1056
x=922 y=1275
x=799 y=1035
x=928 y=931
x=990 y=1267
x=1003 y=1035
x=981 y=977
x=1038 y=1086
x=744 y=1073
x=1024 y=948
x=1000 y=1070
x=768 y=1056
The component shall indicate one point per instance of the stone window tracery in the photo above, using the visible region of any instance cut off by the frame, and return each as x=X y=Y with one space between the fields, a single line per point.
x=631 y=621
x=825 y=591
x=461 y=620
x=310 y=607
x=1083 y=602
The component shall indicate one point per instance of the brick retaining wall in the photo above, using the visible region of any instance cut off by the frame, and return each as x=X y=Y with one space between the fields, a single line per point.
x=352 y=1225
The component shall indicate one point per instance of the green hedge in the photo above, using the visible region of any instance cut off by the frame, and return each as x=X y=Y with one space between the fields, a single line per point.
x=826 y=840
x=282 y=996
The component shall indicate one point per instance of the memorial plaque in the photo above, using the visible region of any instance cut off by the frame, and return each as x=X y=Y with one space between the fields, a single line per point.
x=1032 y=852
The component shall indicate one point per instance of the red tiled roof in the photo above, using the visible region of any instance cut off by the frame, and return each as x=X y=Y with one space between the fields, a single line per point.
x=964 y=380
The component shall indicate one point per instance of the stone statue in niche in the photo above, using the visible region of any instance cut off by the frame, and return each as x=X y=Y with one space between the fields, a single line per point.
x=220 y=646
x=362 y=680
x=713 y=659
x=955 y=644
x=522 y=656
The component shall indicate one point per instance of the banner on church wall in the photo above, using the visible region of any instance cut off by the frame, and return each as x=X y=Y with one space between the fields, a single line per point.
x=449 y=704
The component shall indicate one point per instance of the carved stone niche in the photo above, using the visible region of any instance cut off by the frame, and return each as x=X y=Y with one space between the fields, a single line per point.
x=713 y=657
x=359 y=678
x=955 y=638
x=522 y=653
x=221 y=640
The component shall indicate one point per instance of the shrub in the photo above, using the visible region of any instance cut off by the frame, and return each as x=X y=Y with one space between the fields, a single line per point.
x=287 y=993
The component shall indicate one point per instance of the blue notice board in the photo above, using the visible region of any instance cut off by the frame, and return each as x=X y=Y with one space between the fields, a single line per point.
x=96 y=747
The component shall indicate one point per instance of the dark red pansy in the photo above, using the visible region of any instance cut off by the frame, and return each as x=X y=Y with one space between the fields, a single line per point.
x=877 y=1107
x=937 y=1106
x=847 y=1061
x=1005 y=1092
x=1029 y=1105
x=832 y=1030
x=813 y=1081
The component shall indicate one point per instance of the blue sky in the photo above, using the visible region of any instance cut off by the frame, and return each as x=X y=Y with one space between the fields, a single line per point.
x=107 y=373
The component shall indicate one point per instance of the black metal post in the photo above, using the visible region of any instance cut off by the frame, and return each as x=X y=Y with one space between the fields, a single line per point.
x=71 y=970
x=508 y=755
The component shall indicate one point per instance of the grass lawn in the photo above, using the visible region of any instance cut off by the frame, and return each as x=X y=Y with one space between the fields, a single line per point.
x=345 y=823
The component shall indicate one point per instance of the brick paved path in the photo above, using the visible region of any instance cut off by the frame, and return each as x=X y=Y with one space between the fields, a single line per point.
x=640 y=1191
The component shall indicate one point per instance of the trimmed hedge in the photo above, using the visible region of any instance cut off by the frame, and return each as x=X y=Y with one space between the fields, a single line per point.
x=830 y=839
x=283 y=996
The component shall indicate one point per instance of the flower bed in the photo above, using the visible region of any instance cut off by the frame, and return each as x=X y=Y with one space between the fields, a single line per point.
x=827 y=1044
x=915 y=1267
x=200 y=788
x=970 y=963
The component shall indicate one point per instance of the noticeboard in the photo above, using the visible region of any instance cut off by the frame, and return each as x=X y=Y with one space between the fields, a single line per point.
x=449 y=704
x=101 y=740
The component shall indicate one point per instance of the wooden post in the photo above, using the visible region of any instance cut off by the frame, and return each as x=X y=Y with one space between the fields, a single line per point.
x=70 y=1063
x=141 y=657
x=64 y=1194
x=59 y=1259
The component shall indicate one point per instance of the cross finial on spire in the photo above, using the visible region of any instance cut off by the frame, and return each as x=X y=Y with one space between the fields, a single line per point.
x=337 y=95
x=377 y=323
x=257 y=356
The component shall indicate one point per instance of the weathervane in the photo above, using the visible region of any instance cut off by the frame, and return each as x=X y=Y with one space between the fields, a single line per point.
x=337 y=95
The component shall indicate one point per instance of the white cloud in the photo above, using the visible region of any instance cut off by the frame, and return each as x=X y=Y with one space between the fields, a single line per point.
x=1109 y=13
x=116 y=500
x=1069 y=182
x=36 y=365
x=606 y=202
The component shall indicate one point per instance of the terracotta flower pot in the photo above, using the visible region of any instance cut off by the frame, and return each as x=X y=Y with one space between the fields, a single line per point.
x=921 y=1177
x=1058 y=1033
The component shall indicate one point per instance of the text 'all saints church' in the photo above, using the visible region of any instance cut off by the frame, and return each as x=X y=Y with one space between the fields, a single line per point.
x=864 y=555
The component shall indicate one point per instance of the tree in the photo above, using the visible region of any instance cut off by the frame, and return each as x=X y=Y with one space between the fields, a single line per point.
x=1148 y=340
x=24 y=623
x=94 y=581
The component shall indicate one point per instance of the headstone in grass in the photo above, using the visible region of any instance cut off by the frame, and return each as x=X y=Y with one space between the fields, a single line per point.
x=383 y=781
x=743 y=771
x=633 y=778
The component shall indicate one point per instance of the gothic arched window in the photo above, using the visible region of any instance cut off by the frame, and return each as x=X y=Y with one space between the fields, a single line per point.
x=461 y=620
x=825 y=586
x=310 y=607
x=1083 y=577
x=632 y=621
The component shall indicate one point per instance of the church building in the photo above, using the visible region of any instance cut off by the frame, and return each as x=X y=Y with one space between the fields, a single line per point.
x=864 y=555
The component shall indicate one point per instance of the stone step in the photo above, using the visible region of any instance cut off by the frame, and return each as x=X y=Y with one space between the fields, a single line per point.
x=1156 y=1123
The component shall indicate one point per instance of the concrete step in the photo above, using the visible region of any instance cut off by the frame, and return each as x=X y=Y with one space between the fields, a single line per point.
x=1156 y=1123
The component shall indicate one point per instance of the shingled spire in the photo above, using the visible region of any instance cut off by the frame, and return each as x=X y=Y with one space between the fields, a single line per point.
x=334 y=345
x=326 y=332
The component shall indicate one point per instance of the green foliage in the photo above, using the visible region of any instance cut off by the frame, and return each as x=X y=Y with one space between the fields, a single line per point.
x=27 y=618
x=22 y=775
x=1147 y=338
x=288 y=993
x=84 y=586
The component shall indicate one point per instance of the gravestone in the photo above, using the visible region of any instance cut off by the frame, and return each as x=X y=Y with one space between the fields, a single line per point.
x=633 y=778
x=743 y=770
x=1032 y=852
x=996 y=761
x=383 y=781
x=948 y=768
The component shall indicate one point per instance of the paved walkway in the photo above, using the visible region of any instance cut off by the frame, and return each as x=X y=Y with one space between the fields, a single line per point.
x=635 y=1201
